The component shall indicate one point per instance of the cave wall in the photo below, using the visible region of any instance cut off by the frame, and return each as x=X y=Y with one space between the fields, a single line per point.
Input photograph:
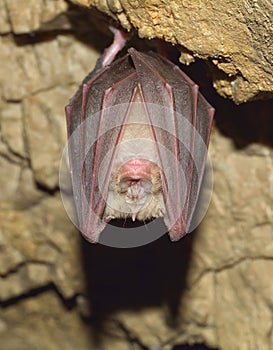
x=234 y=37
x=214 y=287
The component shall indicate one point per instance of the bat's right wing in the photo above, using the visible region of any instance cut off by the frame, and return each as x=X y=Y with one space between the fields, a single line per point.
x=182 y=121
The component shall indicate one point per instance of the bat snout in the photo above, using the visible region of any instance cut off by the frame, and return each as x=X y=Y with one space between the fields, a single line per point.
x=137 y=190
x=135 y=181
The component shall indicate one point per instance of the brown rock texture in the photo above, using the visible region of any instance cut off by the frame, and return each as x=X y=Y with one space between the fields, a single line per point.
x=213 y=288
x=18 y=18
x=234 y=36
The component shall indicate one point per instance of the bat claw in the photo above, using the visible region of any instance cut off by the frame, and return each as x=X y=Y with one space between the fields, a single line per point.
x=108 y=218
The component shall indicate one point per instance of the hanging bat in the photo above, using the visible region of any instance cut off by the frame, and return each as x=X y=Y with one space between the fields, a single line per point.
x=138 y=135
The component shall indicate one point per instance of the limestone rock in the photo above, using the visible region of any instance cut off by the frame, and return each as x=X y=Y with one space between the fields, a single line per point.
x=235 y=38
x=18 y=18
x=42 y=321
x=214 y=287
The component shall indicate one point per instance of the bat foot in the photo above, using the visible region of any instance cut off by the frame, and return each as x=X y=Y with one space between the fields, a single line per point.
x=117 y=45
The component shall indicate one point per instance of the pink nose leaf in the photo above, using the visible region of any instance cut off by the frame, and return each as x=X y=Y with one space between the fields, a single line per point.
x=136 y=169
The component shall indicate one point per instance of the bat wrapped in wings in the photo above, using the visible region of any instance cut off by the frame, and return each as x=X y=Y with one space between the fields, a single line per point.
x=138 y=134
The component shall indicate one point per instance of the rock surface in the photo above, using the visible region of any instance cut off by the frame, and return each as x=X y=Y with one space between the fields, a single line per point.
x=214 y=287
x=235 y=37
x=18 y=18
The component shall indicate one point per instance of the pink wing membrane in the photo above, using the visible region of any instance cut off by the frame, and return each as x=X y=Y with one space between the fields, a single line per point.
x=186 y=122
x=181 y=128
x=92 y=135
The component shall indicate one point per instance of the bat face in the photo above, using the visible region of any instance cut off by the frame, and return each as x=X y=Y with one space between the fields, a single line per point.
x=138 y=135
x=135 y=187
x=135 y=191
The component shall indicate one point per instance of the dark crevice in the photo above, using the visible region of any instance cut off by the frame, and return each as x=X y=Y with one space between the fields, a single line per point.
x=15 y=269
x=199 y=346
x=132 y=339
x=49 y=191
x=69 y=303
x=16 y=159
x=13 y=153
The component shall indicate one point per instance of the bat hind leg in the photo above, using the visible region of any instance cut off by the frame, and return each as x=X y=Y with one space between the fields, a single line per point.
x=116 y=46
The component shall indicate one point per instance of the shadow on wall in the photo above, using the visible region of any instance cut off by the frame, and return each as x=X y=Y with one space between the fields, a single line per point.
x=135 y=278
x=155 y=274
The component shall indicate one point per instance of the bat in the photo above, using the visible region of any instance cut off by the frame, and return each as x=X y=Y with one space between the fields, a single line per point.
x=138 y=133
